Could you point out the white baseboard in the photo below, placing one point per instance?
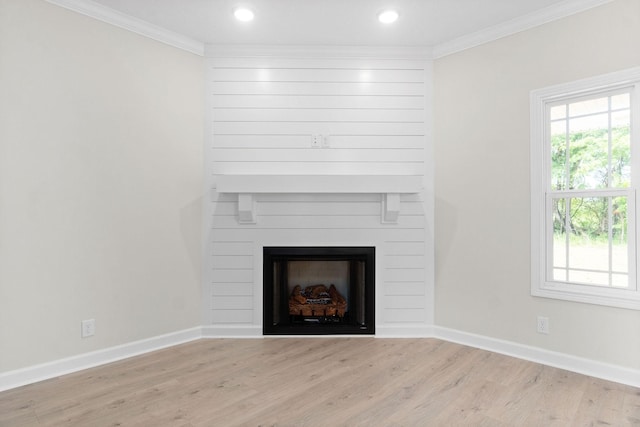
(32, 374)
(568, 362)
(232, 331)
(404, 331)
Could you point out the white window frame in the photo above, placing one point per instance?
(541, 286)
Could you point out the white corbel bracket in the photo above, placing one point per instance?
(390, 187)
(390, 208)
(247, 208)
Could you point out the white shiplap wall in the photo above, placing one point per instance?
(375, 113)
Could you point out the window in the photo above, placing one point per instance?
(585, 166)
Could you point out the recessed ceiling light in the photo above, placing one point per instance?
(243, 14)
(388, 16)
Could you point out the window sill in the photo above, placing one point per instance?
(619, 298)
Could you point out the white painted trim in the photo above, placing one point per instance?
(325, 184)
(404, 331)
(564, 361)
(522, 23)
(390, 208)
(152, 31)
(147, 29)
(390, 186)
(32, 374)
(539, 157)
(555, 359)
(258, 258)
(44, 371)
(232, 331)
(608, 81)
(247, 208)
(138, 26)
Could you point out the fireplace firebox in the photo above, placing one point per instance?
(318, 290)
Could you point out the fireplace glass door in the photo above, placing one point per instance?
(319, 290)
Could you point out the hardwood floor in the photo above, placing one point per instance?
(321, 382)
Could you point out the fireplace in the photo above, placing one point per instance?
(318, 290)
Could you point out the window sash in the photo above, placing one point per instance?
(629, 194)
(542, 194)
(569, 119)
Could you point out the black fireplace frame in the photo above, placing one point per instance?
(285, 326)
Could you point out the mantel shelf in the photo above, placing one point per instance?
(389, 186)
(318, 184)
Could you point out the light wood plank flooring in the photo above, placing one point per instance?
(321, 382)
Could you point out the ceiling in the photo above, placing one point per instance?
(336, 22)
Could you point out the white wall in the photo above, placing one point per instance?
(100, 184)
(482, 183)
(101, 175)
(263, 111)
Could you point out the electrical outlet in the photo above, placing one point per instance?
(325, 141)
(543, 325)
(88, 328)
(316, 141)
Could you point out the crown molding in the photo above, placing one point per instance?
(318, 51)
(144, 28)
(138, 26)
(525, 22)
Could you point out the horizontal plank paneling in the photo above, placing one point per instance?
(364, 102)
(263, 112)
(310, 222)
(311, 127)
(298, 74)
(404, 275)
(348, 62)
(317, 88)
(328, 208)
(404, 261)
(232, 248)
(297, 236)
(333, 208)
(404, 315)
(407, 288)
(317, 115)
(224, 316)
(319, 168)
(232, 289)
(405, 248)
(234, 302)
(315, 209)
(404, 302)
(360, 142)
(318, 155)
(223, 275)
(232, 262)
